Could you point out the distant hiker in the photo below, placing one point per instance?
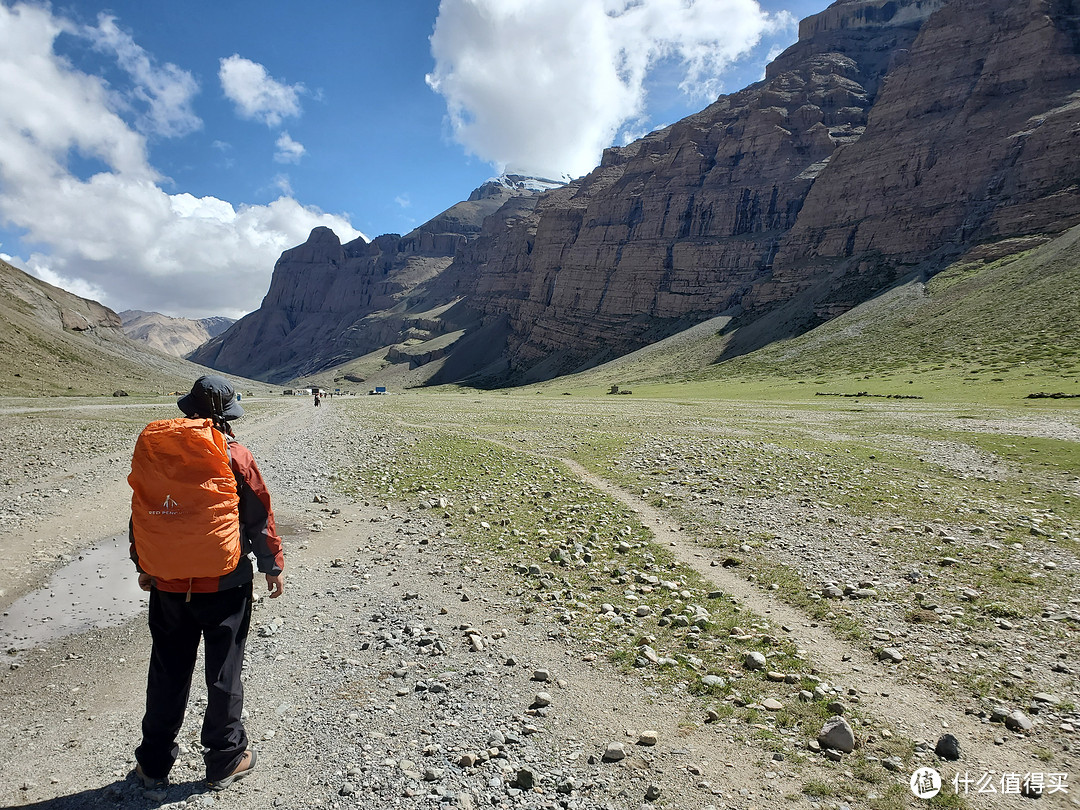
(199, 507)
(316, 400)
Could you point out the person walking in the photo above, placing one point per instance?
(200, 510)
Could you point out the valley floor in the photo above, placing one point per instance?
(455, 561)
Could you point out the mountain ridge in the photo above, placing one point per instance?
(892, 138)
(175, 336)
(57, 343)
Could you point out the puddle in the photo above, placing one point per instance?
(99, 588)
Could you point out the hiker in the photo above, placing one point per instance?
(195, 563)
(316, 399)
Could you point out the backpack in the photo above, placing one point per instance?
(184, 505)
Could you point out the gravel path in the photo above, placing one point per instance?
(400, 668)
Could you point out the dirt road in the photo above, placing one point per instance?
(404, 667)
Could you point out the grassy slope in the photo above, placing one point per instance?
(991, 332)
(41, 358)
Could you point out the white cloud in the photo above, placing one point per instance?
(166, 91)
(543, 86)
(288, 150)
(403, 200)
(117, 234)
(283, 184)
(255, 94)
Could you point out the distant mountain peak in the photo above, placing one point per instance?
(175, 336)
(521, 182)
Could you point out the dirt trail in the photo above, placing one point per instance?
(72, 707)
(887, 693)
(370, 591)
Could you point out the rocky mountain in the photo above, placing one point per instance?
(892, 138)
(55, 343)
(176, 336)
(329, 303)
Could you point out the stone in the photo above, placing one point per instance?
(648, 738)
(998, 714)
(614, 751)
(1018, 721)
(754, 661)
(525, 779)
(948, 748)
(772, 704)
(837, 734)
(891, 655)
(893, 763)
(541, 699)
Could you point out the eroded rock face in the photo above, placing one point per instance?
(891, 138)
(685, 223)
(973, 139)
(330, 302)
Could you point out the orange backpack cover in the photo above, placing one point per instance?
(184, 504)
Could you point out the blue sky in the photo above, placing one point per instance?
(160, 156)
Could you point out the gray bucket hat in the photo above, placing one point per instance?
(211, 396)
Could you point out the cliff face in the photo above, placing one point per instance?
(973, 139)
(891, 137)
(329, 302)
(685, 223)
(894, 136)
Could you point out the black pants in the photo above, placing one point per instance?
(221, 620)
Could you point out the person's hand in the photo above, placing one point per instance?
(145, 580)
(275, 584)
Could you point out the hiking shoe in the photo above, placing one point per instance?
(245, 766)
(149, 782)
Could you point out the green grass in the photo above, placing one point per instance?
(567, 548)
(985, 332)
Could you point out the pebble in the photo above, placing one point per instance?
(754, 661)
(948, 747)
(837, 734)
(614, 752)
